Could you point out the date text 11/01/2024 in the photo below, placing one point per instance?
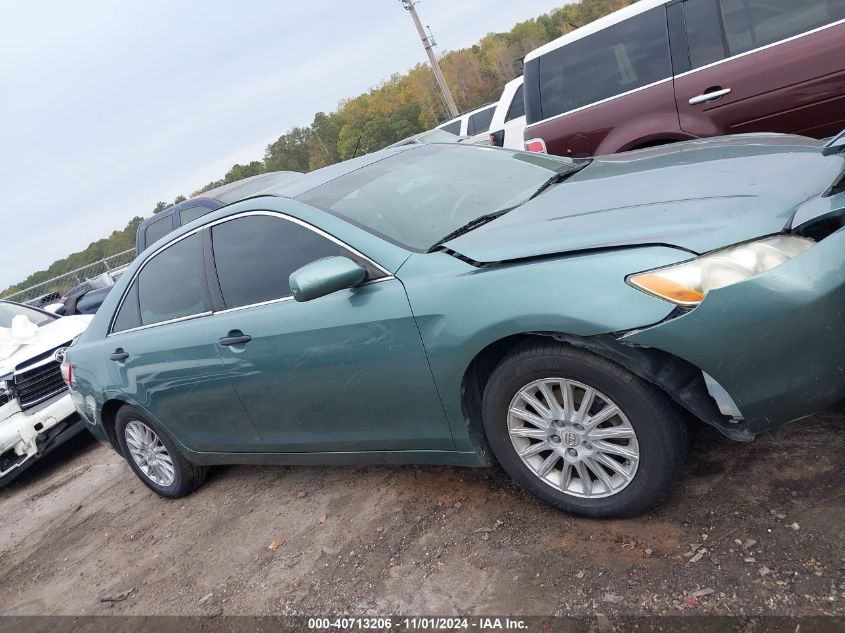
(423, 623)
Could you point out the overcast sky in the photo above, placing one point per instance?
(109, 106)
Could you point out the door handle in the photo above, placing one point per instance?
(709, 96)
(226, 341)
(119, 354)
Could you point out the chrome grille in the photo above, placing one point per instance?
(39, 383)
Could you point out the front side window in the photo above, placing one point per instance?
(415, 197)
(750, 24)
(159, 229)
(620, 58)
(256, 254)
(479, 122)
(172, 284)
(517, 106)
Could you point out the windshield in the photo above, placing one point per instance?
(9, 311)
(416, 197)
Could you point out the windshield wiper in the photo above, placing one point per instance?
(469, 226)
(559, 177)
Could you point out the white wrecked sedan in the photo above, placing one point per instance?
(36, 411)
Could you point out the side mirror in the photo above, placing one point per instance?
(325, 276)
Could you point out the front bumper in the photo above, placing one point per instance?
(775, 343)
(26, 435)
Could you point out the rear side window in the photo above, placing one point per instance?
(453, 128)
(129, 315)
(191, 214)
(620, 58)
(172, 284)
(159, 229)
(256, 254)
(479, 122)
(750, 24)
(517, 106)
(705, 36)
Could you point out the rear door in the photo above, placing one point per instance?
(515, 121)
(162, 355)
(763, 66)
(343, 372)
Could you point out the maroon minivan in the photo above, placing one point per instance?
(666, 70)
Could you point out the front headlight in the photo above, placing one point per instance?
(687, 284)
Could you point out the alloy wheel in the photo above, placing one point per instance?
(573, 437)
(149, 453)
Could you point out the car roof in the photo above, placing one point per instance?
(597, 25)
(240, 189)
(468, 113)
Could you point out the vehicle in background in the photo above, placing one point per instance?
(36, 412)
(508, 123)
(43, 300)
(474, 124)
(159, 225)
(86, 298)
(429, 136)
(660, 71)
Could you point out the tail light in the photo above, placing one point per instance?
(536, 145)
(497, 138)
(67, 373)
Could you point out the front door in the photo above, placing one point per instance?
(763, 66)
(344, 372)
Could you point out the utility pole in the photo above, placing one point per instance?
(428, 44)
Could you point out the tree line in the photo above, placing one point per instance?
(403, 105)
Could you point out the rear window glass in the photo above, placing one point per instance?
(191, 214)
(453, 128)
(620, 58)
(479, 123)
(517, 107)
(129, 315)
(159, 229)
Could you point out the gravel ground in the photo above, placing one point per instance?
(748, 529)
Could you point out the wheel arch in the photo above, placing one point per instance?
(108, 417)
(677, 378)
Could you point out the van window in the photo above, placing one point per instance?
(192, 213)
(479, 122)
(172, 284)
(750, 24)
(625, 56)
(705, 36)
(158, 229)
(453, 128)
(517, 106)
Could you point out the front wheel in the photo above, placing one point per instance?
(154, 455)
(581, 432)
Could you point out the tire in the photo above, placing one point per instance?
(633, 481)
(178, 479)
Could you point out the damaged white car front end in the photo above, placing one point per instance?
(36, 411)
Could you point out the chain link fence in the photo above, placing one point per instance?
(62, 284)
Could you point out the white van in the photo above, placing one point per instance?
(508, 123)
(474, 124)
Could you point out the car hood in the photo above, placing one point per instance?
(698, 195)
(22, 344)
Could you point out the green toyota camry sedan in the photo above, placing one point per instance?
(452, 304)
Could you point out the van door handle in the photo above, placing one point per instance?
(119, 354)
(709, 96)
(226, 341)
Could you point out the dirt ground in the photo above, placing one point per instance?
(748, 529)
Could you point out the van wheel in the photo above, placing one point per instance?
(154, 455)
(582, 433)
